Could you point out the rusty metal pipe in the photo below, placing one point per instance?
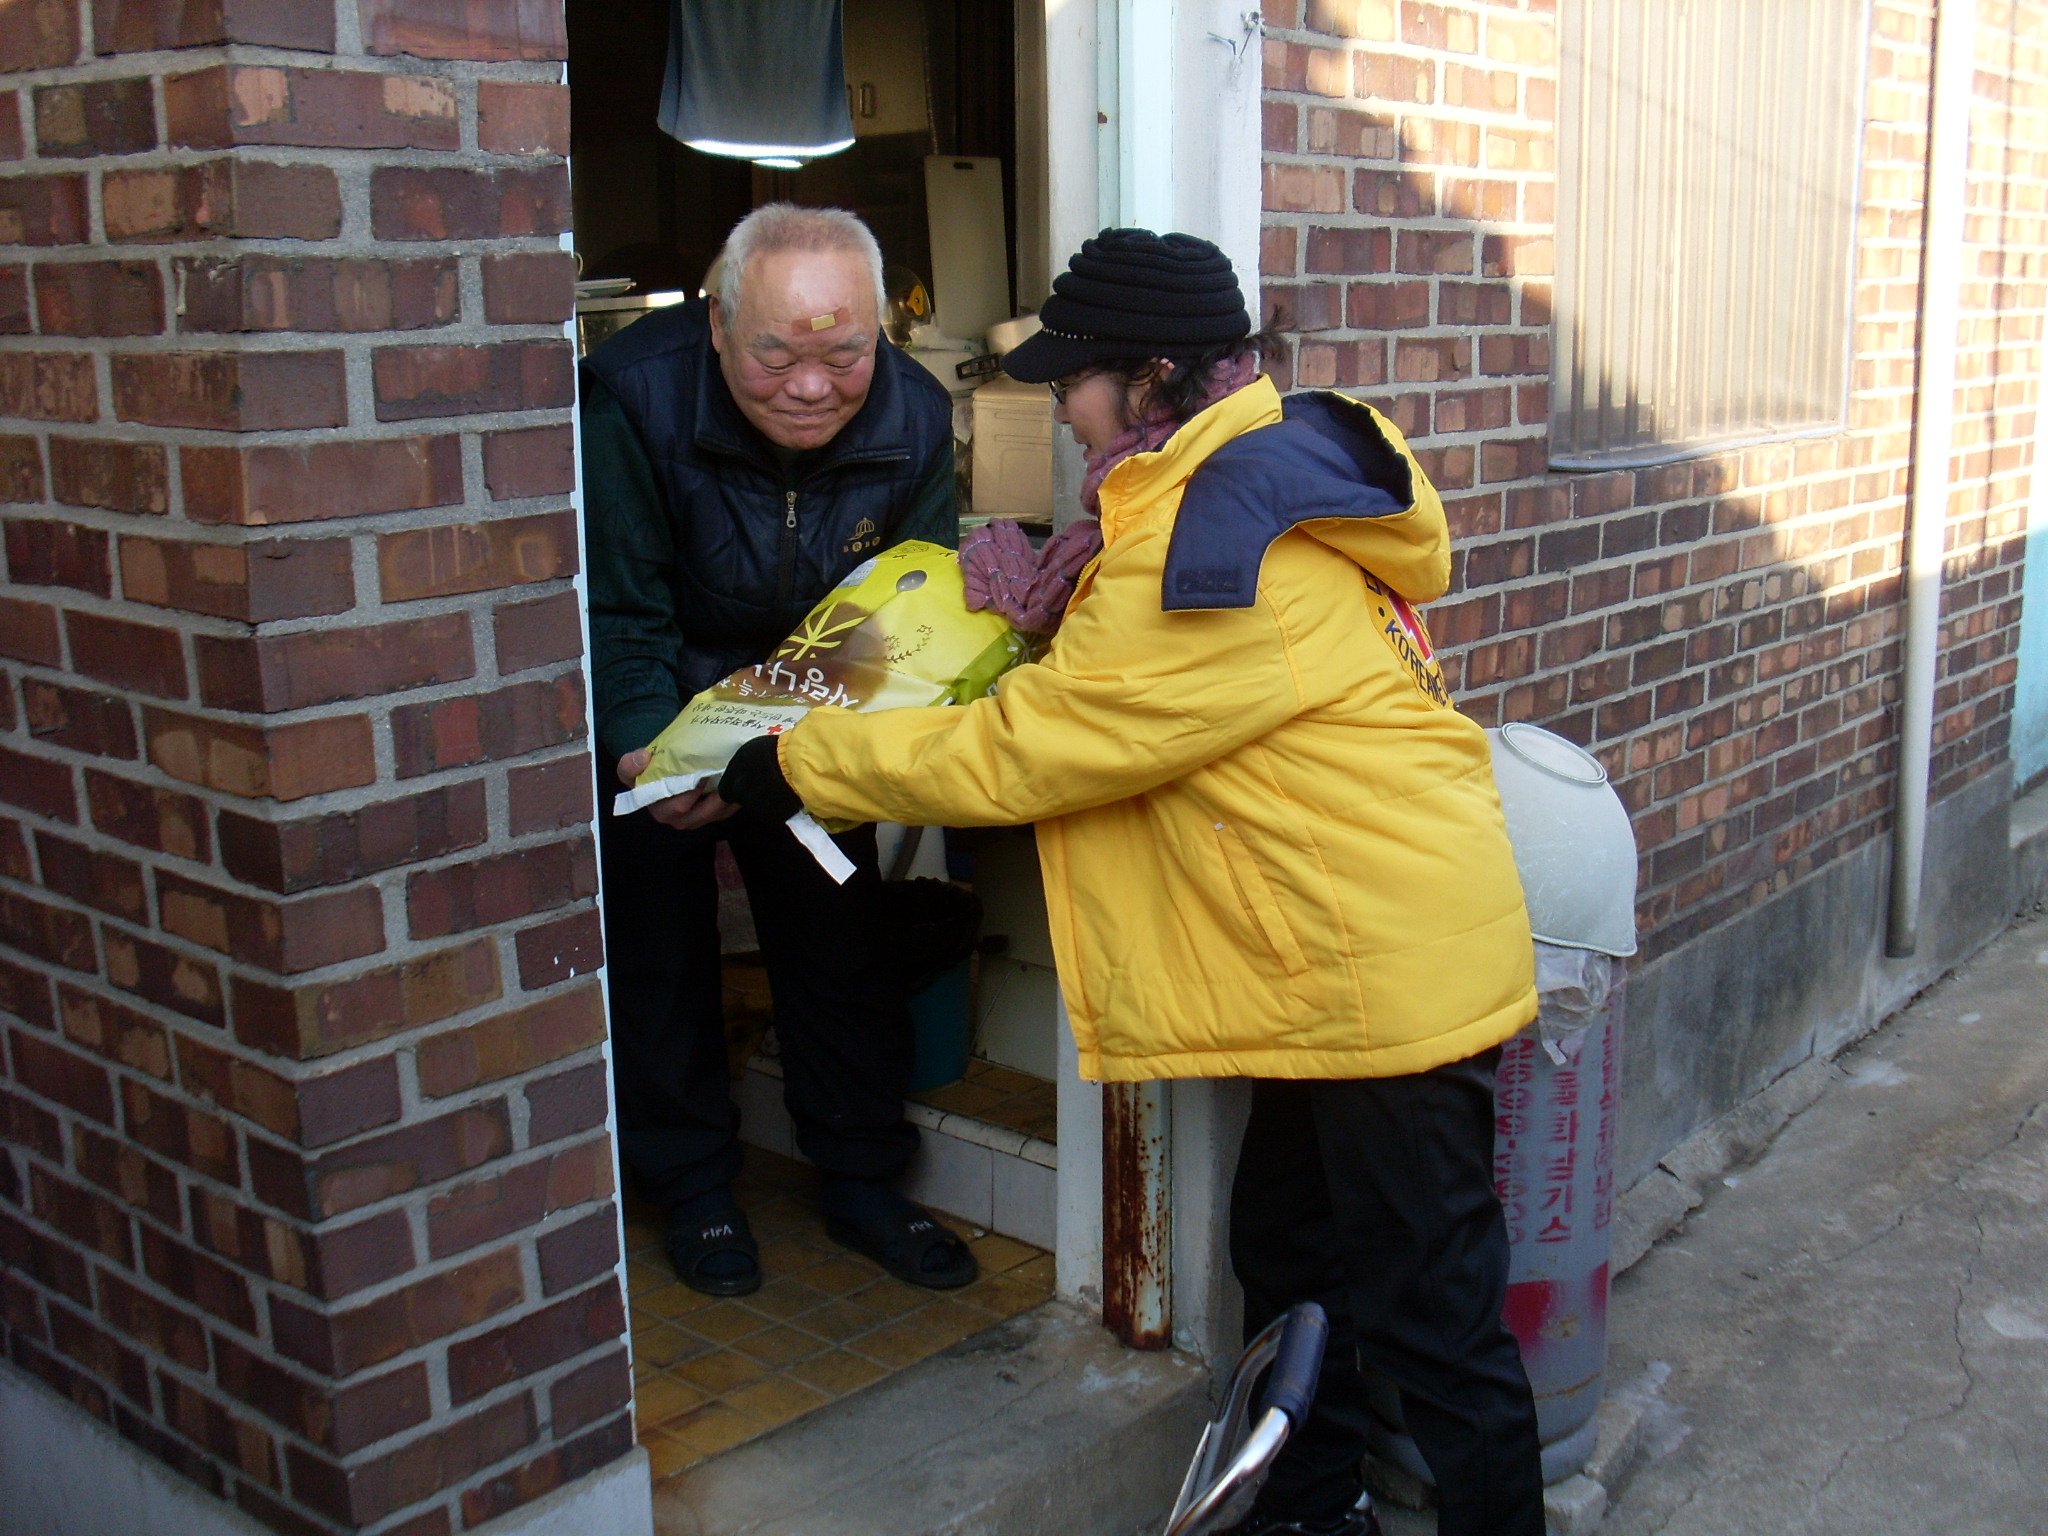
(1137, 1213)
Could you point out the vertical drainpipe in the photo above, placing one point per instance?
(1941, 263)
(1135, 41)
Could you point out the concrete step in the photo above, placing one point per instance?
(986, 1174)
(1041, 1426)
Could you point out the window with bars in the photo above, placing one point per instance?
(1707, 180)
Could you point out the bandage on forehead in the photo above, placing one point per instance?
(823, 322)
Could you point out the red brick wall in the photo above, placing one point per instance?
(1722, 631)
(305, 1184)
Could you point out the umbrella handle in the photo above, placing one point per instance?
(1291, 1386)
(1294, 1346)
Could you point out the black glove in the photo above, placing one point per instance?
(753, 781)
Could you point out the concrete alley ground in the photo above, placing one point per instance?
(1856, 1326)
(1857, 1330)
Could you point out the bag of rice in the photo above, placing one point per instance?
(895, 633)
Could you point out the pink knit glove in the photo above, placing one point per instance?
(1060, 563)
(996, 564)
(1028, 587)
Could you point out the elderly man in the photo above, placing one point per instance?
(740, 457)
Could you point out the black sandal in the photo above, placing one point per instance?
(691, 1242)
(901, 1236)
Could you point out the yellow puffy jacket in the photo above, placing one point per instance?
(1271, 848)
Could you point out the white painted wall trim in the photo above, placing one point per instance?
(1153, 120)
(1216, 142)
(1077, 1250)
(600, 803)
(615, 1500)
(1144, 104)
(63, 1473)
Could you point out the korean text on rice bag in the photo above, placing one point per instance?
(895, 633)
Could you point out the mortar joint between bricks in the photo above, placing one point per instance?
(384, 756)
(359, 391)
(310, 61)
(93, 69)
(133, 611)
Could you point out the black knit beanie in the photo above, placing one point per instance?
(1131, 293)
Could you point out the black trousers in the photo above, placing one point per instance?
(840, 1014)
(1375, 1197)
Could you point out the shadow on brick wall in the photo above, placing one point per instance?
(1723, 631)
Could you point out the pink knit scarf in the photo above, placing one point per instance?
(1149, 433)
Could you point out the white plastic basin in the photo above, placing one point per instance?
(1573, 845)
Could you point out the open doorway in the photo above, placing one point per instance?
(924, 77)
(948, 168)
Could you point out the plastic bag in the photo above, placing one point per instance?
(895, 633)
(1571, 989)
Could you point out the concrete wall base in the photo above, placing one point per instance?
(1815, 959)
(2028, 840)
(1717, 1021)
(615, 1500)
(63, 1473)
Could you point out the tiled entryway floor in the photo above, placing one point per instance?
(711, 1373)
(1014, 1100)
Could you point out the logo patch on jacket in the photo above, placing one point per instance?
(865, 537)
(1208, 581)
(1403, 629)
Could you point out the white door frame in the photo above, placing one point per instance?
(1153, 121)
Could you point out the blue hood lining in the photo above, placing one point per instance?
(1325, 458)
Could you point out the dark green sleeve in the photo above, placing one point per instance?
(634, 641)
(934, 511)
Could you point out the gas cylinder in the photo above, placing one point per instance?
(1555, 1091)
(1553, 1168)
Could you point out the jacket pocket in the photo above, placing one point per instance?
(1257, 898)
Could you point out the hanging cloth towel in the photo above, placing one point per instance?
(757, 81)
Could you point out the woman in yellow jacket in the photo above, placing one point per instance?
(1271, 849)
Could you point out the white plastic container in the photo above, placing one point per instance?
(1011, 334)
(1012, 450)
(970, 241)
(1573, 845)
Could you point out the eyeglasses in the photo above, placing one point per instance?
(1061, 388)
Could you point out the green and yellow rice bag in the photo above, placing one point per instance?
(895, 634)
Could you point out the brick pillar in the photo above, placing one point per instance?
(306, 1186)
